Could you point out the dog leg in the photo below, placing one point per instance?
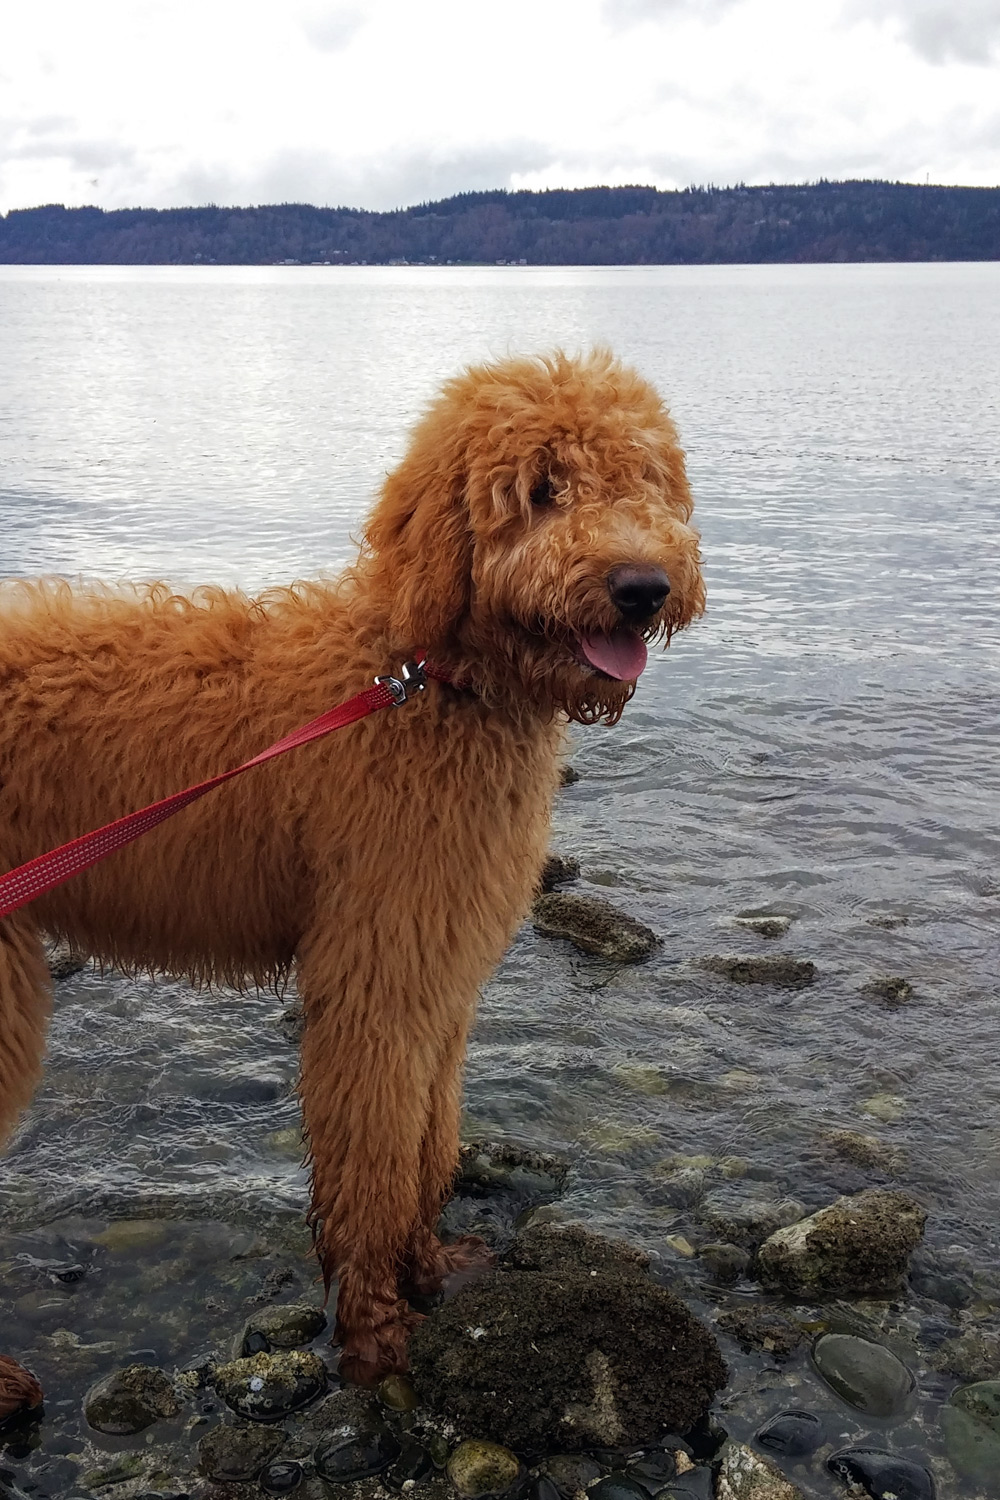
(25, 1003)
(428, 1261)
(365, 1091)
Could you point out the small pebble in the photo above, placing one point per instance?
(478, 1468)
(281, 1478)
(397, 1393)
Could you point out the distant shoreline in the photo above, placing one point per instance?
(824, 223)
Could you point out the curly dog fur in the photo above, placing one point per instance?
(389, 866)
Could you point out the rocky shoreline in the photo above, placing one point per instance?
(570, 1371)
(770, 1354)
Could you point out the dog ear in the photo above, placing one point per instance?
(420, 537)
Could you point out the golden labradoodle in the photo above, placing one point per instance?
(533, 539)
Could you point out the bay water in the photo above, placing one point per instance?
(822, 746)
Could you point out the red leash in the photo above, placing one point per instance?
(43, 874)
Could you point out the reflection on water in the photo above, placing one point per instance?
(823, 745)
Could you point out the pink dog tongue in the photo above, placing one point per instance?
(621, 655)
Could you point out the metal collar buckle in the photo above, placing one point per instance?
(412, 679)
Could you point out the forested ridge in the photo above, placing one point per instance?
(824, 221)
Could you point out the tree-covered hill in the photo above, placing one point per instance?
(824, 221)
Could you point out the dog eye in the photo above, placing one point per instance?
(543, 492)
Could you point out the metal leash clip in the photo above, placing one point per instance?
(412, 679)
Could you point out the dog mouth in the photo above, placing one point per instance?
(619, 654)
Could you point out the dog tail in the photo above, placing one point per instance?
(25, 1001)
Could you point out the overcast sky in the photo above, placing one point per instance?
(389, 102)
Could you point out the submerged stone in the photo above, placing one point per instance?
(655, 1469)
(892, 988)
(130, 1400)
(618, 1486)
(266, 1387)
(784, 972)
(867, 1376)
(743, 1214)
(578, 1359)
(286, 1326)
(865, 1150)
(883, 1476)
(725, 1262)
(232, 1453)
(763, 1329)
(478, 1468)
(791, 1434)
(972, 1356)
(413, 1465)
(570, 1472)
(765, 924)
(970, 1423)
(594, 926)
(857, 1246)
(355, 1450)
(281, 1478)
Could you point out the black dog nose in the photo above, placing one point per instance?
(638, 590)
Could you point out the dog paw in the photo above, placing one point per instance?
(371, 1354)
(462, 1257)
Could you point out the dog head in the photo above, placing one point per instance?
(535, 536)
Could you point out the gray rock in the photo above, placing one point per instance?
(745, 1475)
(726, 1263)
(130, 1400)
(867, 1376)
(783, 972)
(266, 1387)
(892, 988)
(231, 1453)
(746, 1214)
(287, 1326)
(764, 924)
(594, 926)
(478, 1468)
(857, 1246)
(558, 869)
(64, 961)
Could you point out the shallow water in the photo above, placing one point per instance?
(822, 745)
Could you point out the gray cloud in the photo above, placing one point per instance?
(621, 14)
(331, 28)
(941, 31)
